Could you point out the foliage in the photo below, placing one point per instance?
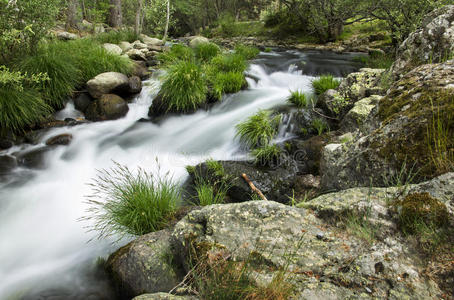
(206, 51)
(230, 82)
(324, 83)
(123, 202)
(184, 88)
(299, 99)
(247, 52)
(209, 194)
(115, 37)
(376, 61)
(320, 126)
(259, 129)
(229, 63)
(177, 52)
(20, 103)
(215, 167)
(267, 155)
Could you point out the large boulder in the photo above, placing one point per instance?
(321, 261)
(164, 296)
(151, 41)
(112, 49)
(416, 134)
(432, 43)
(197, 40)
(356, 118)
(82, 101)
(66, 36)
(135, 85)
(125, 46)
(136, 54)
(107, 83)
(108, 107)
(145, 265)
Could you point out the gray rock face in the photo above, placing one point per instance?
(433, 42)
(164, 296)
(323, 265)
(112, 49)
(125, 46)
(401, 140)
(151, 41)
(66, 36)
(146, 265)
(108, 107)
(106, 83)
(357, 116)
(197, 40)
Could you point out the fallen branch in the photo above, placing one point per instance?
(253, 188)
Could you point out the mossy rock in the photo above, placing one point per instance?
(419, 208)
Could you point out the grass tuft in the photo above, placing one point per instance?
(324, 83)
(267, 155)
(206, 51)
(259, 129)
(125, 203)
(247, 52)
(224, 83)
(115, 37)
(177, 52)
(229, 63)
(299, 99)
(320, 126)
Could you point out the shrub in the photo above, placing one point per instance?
(20, 103)
(324, 83)
(298, 99)
(259, 129)
(229, 63)
(184, 88)
(230, 82)
(177, 52)
(267, 155)
(115, 37)
(126, 203)
(320, 126)
(206, 51)
(247, 52)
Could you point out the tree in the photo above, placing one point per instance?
(72, 15)
(167, 21)
(138, 21)
(116, 17)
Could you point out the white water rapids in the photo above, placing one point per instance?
(42, 245)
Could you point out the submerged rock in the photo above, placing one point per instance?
(106, 83)
(62, 139)
(108, 107)
(7, 164)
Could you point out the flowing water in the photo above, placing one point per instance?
(44, 249)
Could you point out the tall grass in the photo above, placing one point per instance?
(324, 83)
(247, 52)
(184, 88)
(224, 83)
(229, 63)
(206, 51)
(267, 155)
(209, 194)
(126, 203)
(115, 37)
(259, 129)
(299, 99)
(177, 52)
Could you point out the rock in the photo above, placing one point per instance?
(125, 46)
(98, 28)
(34, 159)
(135, 85)
(136, 54)
(82, 101)
(433, 42)
(86, 26)
(164, 296)
(7, 164)
(5, 143)
(361, 84)
(66, 36)
(401, 143)
(197, 40)
(146, 265)
(333, 104)
(357, 116)
(108, 107)
(106, 83)
(306, 153)
(151, 41)
(140, 46)
(112, 48)
(278, 236)
(61, 139)
(156, 48)
(140, 70)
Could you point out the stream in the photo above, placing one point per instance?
(45, 251)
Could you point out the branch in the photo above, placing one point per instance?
(253, 188)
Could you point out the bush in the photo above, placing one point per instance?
(184, 88)
(206, 51)
(115, 37)
(324, 83)
(298, 99)
(177, 52)
(230, 82)
(20, 103)
(126, 203)
(267, 155)
(247, 52)
(229, 63)
(259, 129)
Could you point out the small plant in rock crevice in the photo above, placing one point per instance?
(267, 155)
(299, 99)
(320, 126)
(324, 83)
(259, 129)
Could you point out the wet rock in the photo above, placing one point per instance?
(197, 40)
(140, 70)
(433, 42)
(82, 101)
(327, 268)
(7, 164)
(108, 107)
(307, 153)
(146, 265)
(333, 103)
(164, 296)
(112, 49)
(404, 138)
(136, 54)
(151, 41)
(6, 144)
(135, 85)
(34, 159)
(357, 116)
(106, 83)
(125, 46)
(61, 139)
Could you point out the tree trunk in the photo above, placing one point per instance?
(73, 17)
(116, 17)
(138, 24)
(167, 22)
